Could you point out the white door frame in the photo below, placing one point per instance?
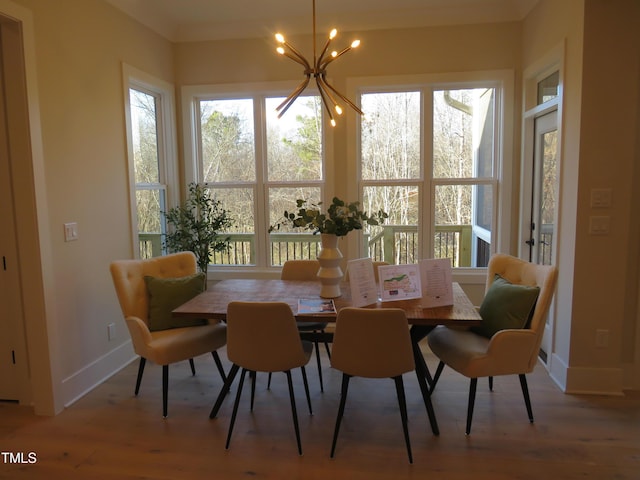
(531, 110)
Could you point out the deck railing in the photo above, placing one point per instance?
(395, 244)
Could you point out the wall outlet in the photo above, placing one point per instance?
(111, 331)
(602, 338)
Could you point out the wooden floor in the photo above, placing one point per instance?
(112, 434)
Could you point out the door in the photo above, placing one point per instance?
(13, 368)
(542, 232)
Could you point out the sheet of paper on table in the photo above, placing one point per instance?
(362, 281)
(437, 283)
(316, 306)
(399, 282)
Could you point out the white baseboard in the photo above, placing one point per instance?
(83, 381)
(557, 371)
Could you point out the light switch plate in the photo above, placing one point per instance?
(599, 225)
(70, 232)
(600, 198)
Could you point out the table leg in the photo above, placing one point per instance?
(418, 332)
(422, 372)
(225, 389)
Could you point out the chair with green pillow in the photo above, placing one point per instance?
(148, 290)
(514, 312)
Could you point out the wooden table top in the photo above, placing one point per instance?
(213, 302)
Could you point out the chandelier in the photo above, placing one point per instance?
(331, 98)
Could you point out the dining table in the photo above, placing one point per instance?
(213, 302)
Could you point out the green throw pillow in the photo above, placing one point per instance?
(166, 294)
(506, 305)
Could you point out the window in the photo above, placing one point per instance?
(257, 165)
(429, 156)
(151, 147)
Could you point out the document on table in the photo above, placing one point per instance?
(399, 282)
(437, 284)
(310, 306)
(362, 281)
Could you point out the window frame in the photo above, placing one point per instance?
(190, 96)
(503, 81)
(136, 79)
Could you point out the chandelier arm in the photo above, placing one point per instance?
(292, 96)
(324, 51)
(322, 84)
(332, 58)
(324, 100)
(297, 91)
(296, 59)
(341, 96)
(297, 54)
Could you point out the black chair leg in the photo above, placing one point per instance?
(315, 346)
(472, 399)
(269, 382)
(294, 412)
(436, 376)
(306, 388)
(525, 392)
(165, 389)
(491, 384)
(253, 376)
(216, 358)
(402, 403)
(143, 362)
(193, 366)
(235, 407)
(343, 400)
(225, 389)
(326, 346)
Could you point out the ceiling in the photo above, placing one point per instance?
(197, 20)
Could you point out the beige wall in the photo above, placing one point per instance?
(608, 154)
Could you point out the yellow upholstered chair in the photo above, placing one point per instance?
(372, 343)
(262, 337)
(170, 345)
(492, 350)
(307, 270)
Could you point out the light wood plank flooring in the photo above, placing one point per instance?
(110, 433)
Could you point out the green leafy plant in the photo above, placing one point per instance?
(339, 219)
(195, 226)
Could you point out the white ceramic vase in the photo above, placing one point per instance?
(330, 273)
